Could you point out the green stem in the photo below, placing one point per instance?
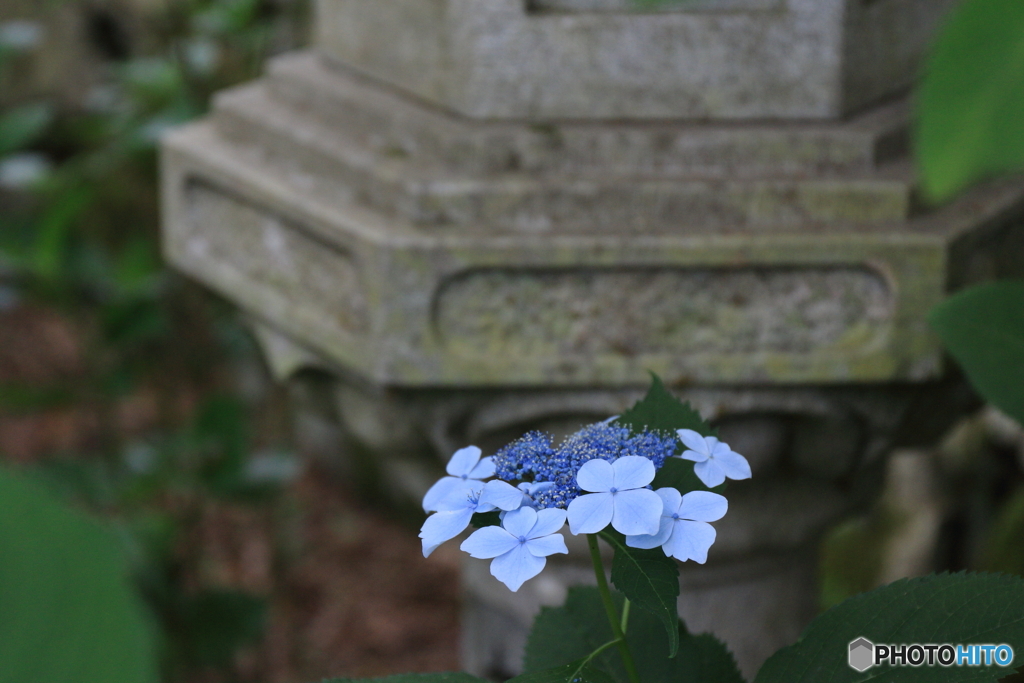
(625, 615)
(609, 608)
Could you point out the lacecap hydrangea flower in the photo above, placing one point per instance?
(521, 545)
(714, 460)
(597, 477)
(684, 532)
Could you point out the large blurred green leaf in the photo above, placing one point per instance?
(947, 608)
(21, 126)
(983, 328)
(971, 101)
(67, 613)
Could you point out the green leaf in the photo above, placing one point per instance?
(945, 608)
(481, 519)
(983, 328)
(650, 580)
(414, 678)
(69, 613)
(566, 634)
(660, 411)
(971, 102)
(561, 635)
(22, 126)
(574, 672)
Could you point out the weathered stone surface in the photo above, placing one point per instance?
(417, 187)
(384, 121)
(255, 214)
(595, 59)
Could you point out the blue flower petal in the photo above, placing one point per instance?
(709, 472)
(516, 566)
(694, 441)
(466, 495)
(501, 495)
(445, 488)
(670, 499)
(488, 542)
(646, 542)
(733, 465)
(690, 541)
(443, 526)
(483, 470)
(632, 472)
(519, 522)
(463, 461)
(702, 506)
(547, 545)
(548, 522)
(636, 512)
(591, 513)
(596, 476)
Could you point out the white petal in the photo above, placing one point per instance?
(690, 541)
(547, 545)
(670, 499)
(703, 506)
(548, 522)
(516, 566)
(693, 441)
(443, 526)
(439, 491)
(637, 512)
(501, 495)
(463, 461)
(589, 513)
(520, 522)
(483, 469)
(710, 473)
(488, 542)
(733, 465)
(632, 472)
(596, 476)
(647, 542)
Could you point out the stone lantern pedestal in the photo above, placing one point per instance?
(487, 217)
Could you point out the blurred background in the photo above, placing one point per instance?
(139, 397)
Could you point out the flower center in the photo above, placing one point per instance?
(465, 477)
(613, 490)
(522, 539)
(675, 515)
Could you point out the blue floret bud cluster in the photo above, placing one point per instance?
(533, 458)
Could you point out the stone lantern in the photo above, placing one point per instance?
(487, 216)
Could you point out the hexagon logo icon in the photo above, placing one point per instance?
(862, 654)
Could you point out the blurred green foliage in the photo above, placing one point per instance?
(69, 613)
(970, 104)
(79, 235)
